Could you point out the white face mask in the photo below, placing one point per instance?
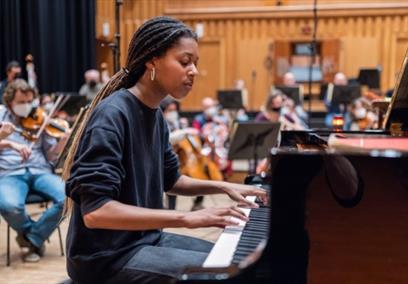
(22, 110)
(171, 116)
(211, 112)
(48, 106)
(360, 113)
(36, 102)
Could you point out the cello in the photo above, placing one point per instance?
(193, 163)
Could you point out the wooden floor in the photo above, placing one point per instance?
(51, 268)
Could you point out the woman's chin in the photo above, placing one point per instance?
(180, 95)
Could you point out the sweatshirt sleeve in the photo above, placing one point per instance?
(171, 164)
(98, 172)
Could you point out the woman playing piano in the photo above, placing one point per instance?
(121, 162)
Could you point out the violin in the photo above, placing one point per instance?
(22, 132)
(54, 127)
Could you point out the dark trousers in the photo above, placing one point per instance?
(164, 262)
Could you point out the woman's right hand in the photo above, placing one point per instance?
(6, 129)
(23, 150)
(214, 217)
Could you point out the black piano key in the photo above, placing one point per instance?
(255, 230)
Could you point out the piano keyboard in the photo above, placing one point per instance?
(237, 242)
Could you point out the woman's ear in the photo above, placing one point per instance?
(149, 65)
(152, 63)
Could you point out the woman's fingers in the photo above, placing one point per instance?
(234, 211)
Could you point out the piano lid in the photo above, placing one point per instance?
(398, 108)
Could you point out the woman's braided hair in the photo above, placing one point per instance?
(152, 39)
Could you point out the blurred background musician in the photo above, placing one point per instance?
(332, 109)
(30, 69)
(13, 71)
(179, 131)
(92, 84)
(279, 108)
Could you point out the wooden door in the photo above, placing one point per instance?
(330, 58)
(282, 53)
(254, 68)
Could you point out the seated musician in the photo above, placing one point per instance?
(92, 84)
(275, 110)
(362, 117)
(13, 71)
(205, 122)
(178, 126)
(121, 162)
(289, 80)
(24, 170)
(178, 131)
(333, 109)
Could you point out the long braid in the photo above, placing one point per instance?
(152, 39)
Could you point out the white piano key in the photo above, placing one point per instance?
(241, 223)
(223, 250)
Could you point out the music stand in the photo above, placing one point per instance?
(230, 99)
(291, 92)
(72, 102)
(369, 77)
(253, 140)
(345, 94)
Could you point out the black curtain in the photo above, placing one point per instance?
(60, 34)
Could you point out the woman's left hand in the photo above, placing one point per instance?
(238, 192)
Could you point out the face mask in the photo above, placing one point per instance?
(22, 110)
(360, 113)
(36, 103)
(92, 84)
(211, 112)
(48, 106)
(276, 109)
(171, 116)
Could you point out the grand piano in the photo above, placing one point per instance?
(338, 210)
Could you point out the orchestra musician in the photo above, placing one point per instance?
(121, 162)
(25, 167)
(13, 71)
(275, 110)
(178, 133)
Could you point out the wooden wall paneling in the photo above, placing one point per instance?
(396, 25)
(230, 46)
(401, 51)
(305, 2)
(330, 52)
(210, 75)
(405, 24)
(281, 59)
(385, 52)
(268, 22)
(359, 52)
(251, 55)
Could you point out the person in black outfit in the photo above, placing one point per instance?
(120, 163)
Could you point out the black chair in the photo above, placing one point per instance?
(34, 198)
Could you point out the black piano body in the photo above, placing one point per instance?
(336, 217)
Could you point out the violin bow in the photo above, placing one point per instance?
(46, 120)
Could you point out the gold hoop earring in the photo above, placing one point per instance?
(152, 74)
